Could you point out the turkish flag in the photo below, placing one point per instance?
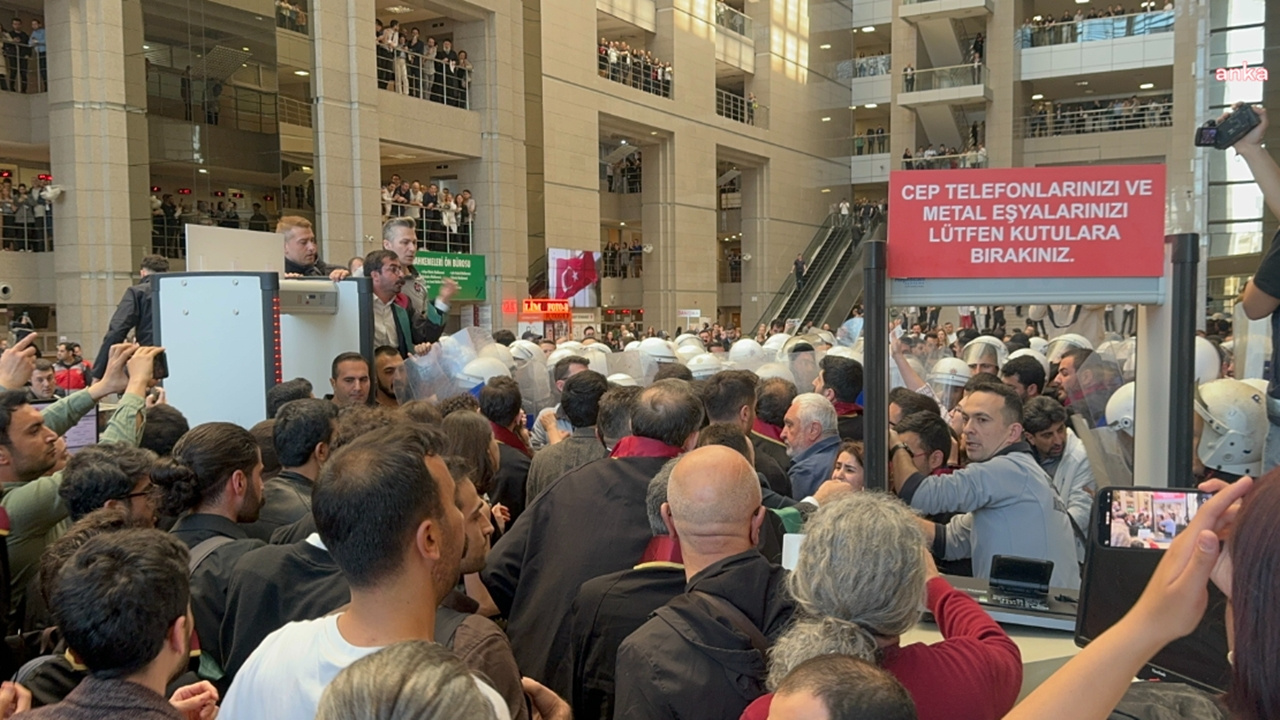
(574, 274)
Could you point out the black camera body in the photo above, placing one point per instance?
(1228, 133)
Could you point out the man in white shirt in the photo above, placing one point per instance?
(384, 508)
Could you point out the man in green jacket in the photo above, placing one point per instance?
(28, 451)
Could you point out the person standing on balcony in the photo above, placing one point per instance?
(977, 68)
(416, 50)
(446, 59)
(801, 271)
(38, 50)
(429, 68)
(17, 52)
(909, 78)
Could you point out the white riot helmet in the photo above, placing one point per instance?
(573, 345)
(689, 351)
(522, 351)
(1039, 344)
(947, 377)
(559, 354)
(844, 351)
(704, 365)
(1120, 409)
(633, 345)
(1235, 426)
(746, 352)
(775, 342)
(1257, 384)
(1208, 361)
(657, 349)
(689, 339)
(622, 379)
(1027, 352)
(501, 353)
(825, 337)
(597, 358)
(775, 369)
(984, 349)
(1062, 343)
(478, 371)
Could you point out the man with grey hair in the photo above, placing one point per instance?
(702, 654)
(812, 433)
(611, 607)
(400, 236)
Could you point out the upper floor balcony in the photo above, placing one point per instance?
(918, 10)
(735, 45)
(1086, 45)
(945, 85)
(409, 66)
(746, 110)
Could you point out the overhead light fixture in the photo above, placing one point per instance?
(203, 171)
(1081, 83)
(824, 46)
(1146, 86)
(869, 28)
(653, 132)
(301, 73)
(826, 190)
(146, 47)
(872, 106)
(622, 142)
(245, 49)
(1037, 96)
(1038, 18)
(826, 119)
(853, 107)
(622, 224)
(399, 9)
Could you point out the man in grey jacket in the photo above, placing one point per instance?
(1010, 505)
(1063, 458)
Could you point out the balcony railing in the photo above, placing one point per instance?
(1079, 121)
(732, 20)
(174, 94)
(437, 230)
(26, 221)
(746, 110)
(870, 143)
(291, 15)
(873, 65)
(23, 66)
(293, 111)
(436, 76)
(942, 78)
(1062, 32)
(731, 268)
(972, 158)
(622, 64)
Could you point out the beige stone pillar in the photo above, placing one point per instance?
(99, 155)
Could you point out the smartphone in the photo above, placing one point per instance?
(1145, 518)
(160, 367)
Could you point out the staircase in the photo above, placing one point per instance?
(841, 291)
(832, 242)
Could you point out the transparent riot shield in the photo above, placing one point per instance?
(626, 363)
(535, 384)
(1251, 347)
(850, 332)
(804, 368)
(1110, 449)
(422, 377)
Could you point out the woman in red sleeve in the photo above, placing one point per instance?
(860, 583)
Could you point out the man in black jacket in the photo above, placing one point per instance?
(840, 381)
(500, 403)
(301, 434)
(588, 523)
(703, 653)
(301, 253)
(133, 313)
(773, 399)
(730, 397)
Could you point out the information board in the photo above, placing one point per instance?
(467, 270)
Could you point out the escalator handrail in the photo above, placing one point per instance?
(784, 295)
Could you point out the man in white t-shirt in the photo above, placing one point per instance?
(384, 508)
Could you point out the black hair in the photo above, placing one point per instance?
(10, 400)
(1027, 369)
(500, 400)
(165, 424)
(421, 411)
(667, 411)
(348, 357)
(581, 398)
(470, 436)
(202, 462)
(614, 420)
(356, 420)
(371, 497)
(1079, 356)
(931, 429)
(385, 351)
(263, 433)
(560, 370)
(1041, 413)
(117, 597)
(773, 399)
(290, 390)
(673, 371)
(155, 263)
(300, 426)
(504, 337)
(1012, 403)
(843, 376)
(461, 401)
(105, 519)
(728, 435)
(912, 402)
(981, 378)
(727, 392)
(98, 473)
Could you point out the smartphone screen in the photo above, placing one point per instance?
(1146, 518)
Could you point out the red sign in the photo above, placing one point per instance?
(547, 308)
(509, 306)
(1087, 221)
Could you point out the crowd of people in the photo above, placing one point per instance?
(444, 220)
(636, 67)
(24, 66)
(169, 216)
(26, 215)
(874, 63)
(413, 65)
(1075, 118)
(292, 15)
(941, 157)
(731, 18)
(625, 175)
(618, 259)
(1112, 21)
(871, 141)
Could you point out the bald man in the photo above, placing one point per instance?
(703, 653)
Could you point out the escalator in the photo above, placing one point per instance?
(842, 290)
(833, 241)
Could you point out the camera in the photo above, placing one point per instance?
(1227, 133)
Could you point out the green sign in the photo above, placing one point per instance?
(466, 270)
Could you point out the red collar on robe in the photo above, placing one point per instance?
(773, 432)
(847, 409)
(635, 446)
(662, 548)
(510, 439)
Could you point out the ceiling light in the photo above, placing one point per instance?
(1146, 86)
(826, 190)
(1037, 96)
(872, 106)
(245, 49)
(824, 46)
(826, 119)
(399, 9)
(655, 132)
(146, 47)
(1082, 83)
(301, 73)
(203, 171)
(623, 142)
(1082, 2)
(1038, 18)
(853, 107)
(869, 28)
(622, 224)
